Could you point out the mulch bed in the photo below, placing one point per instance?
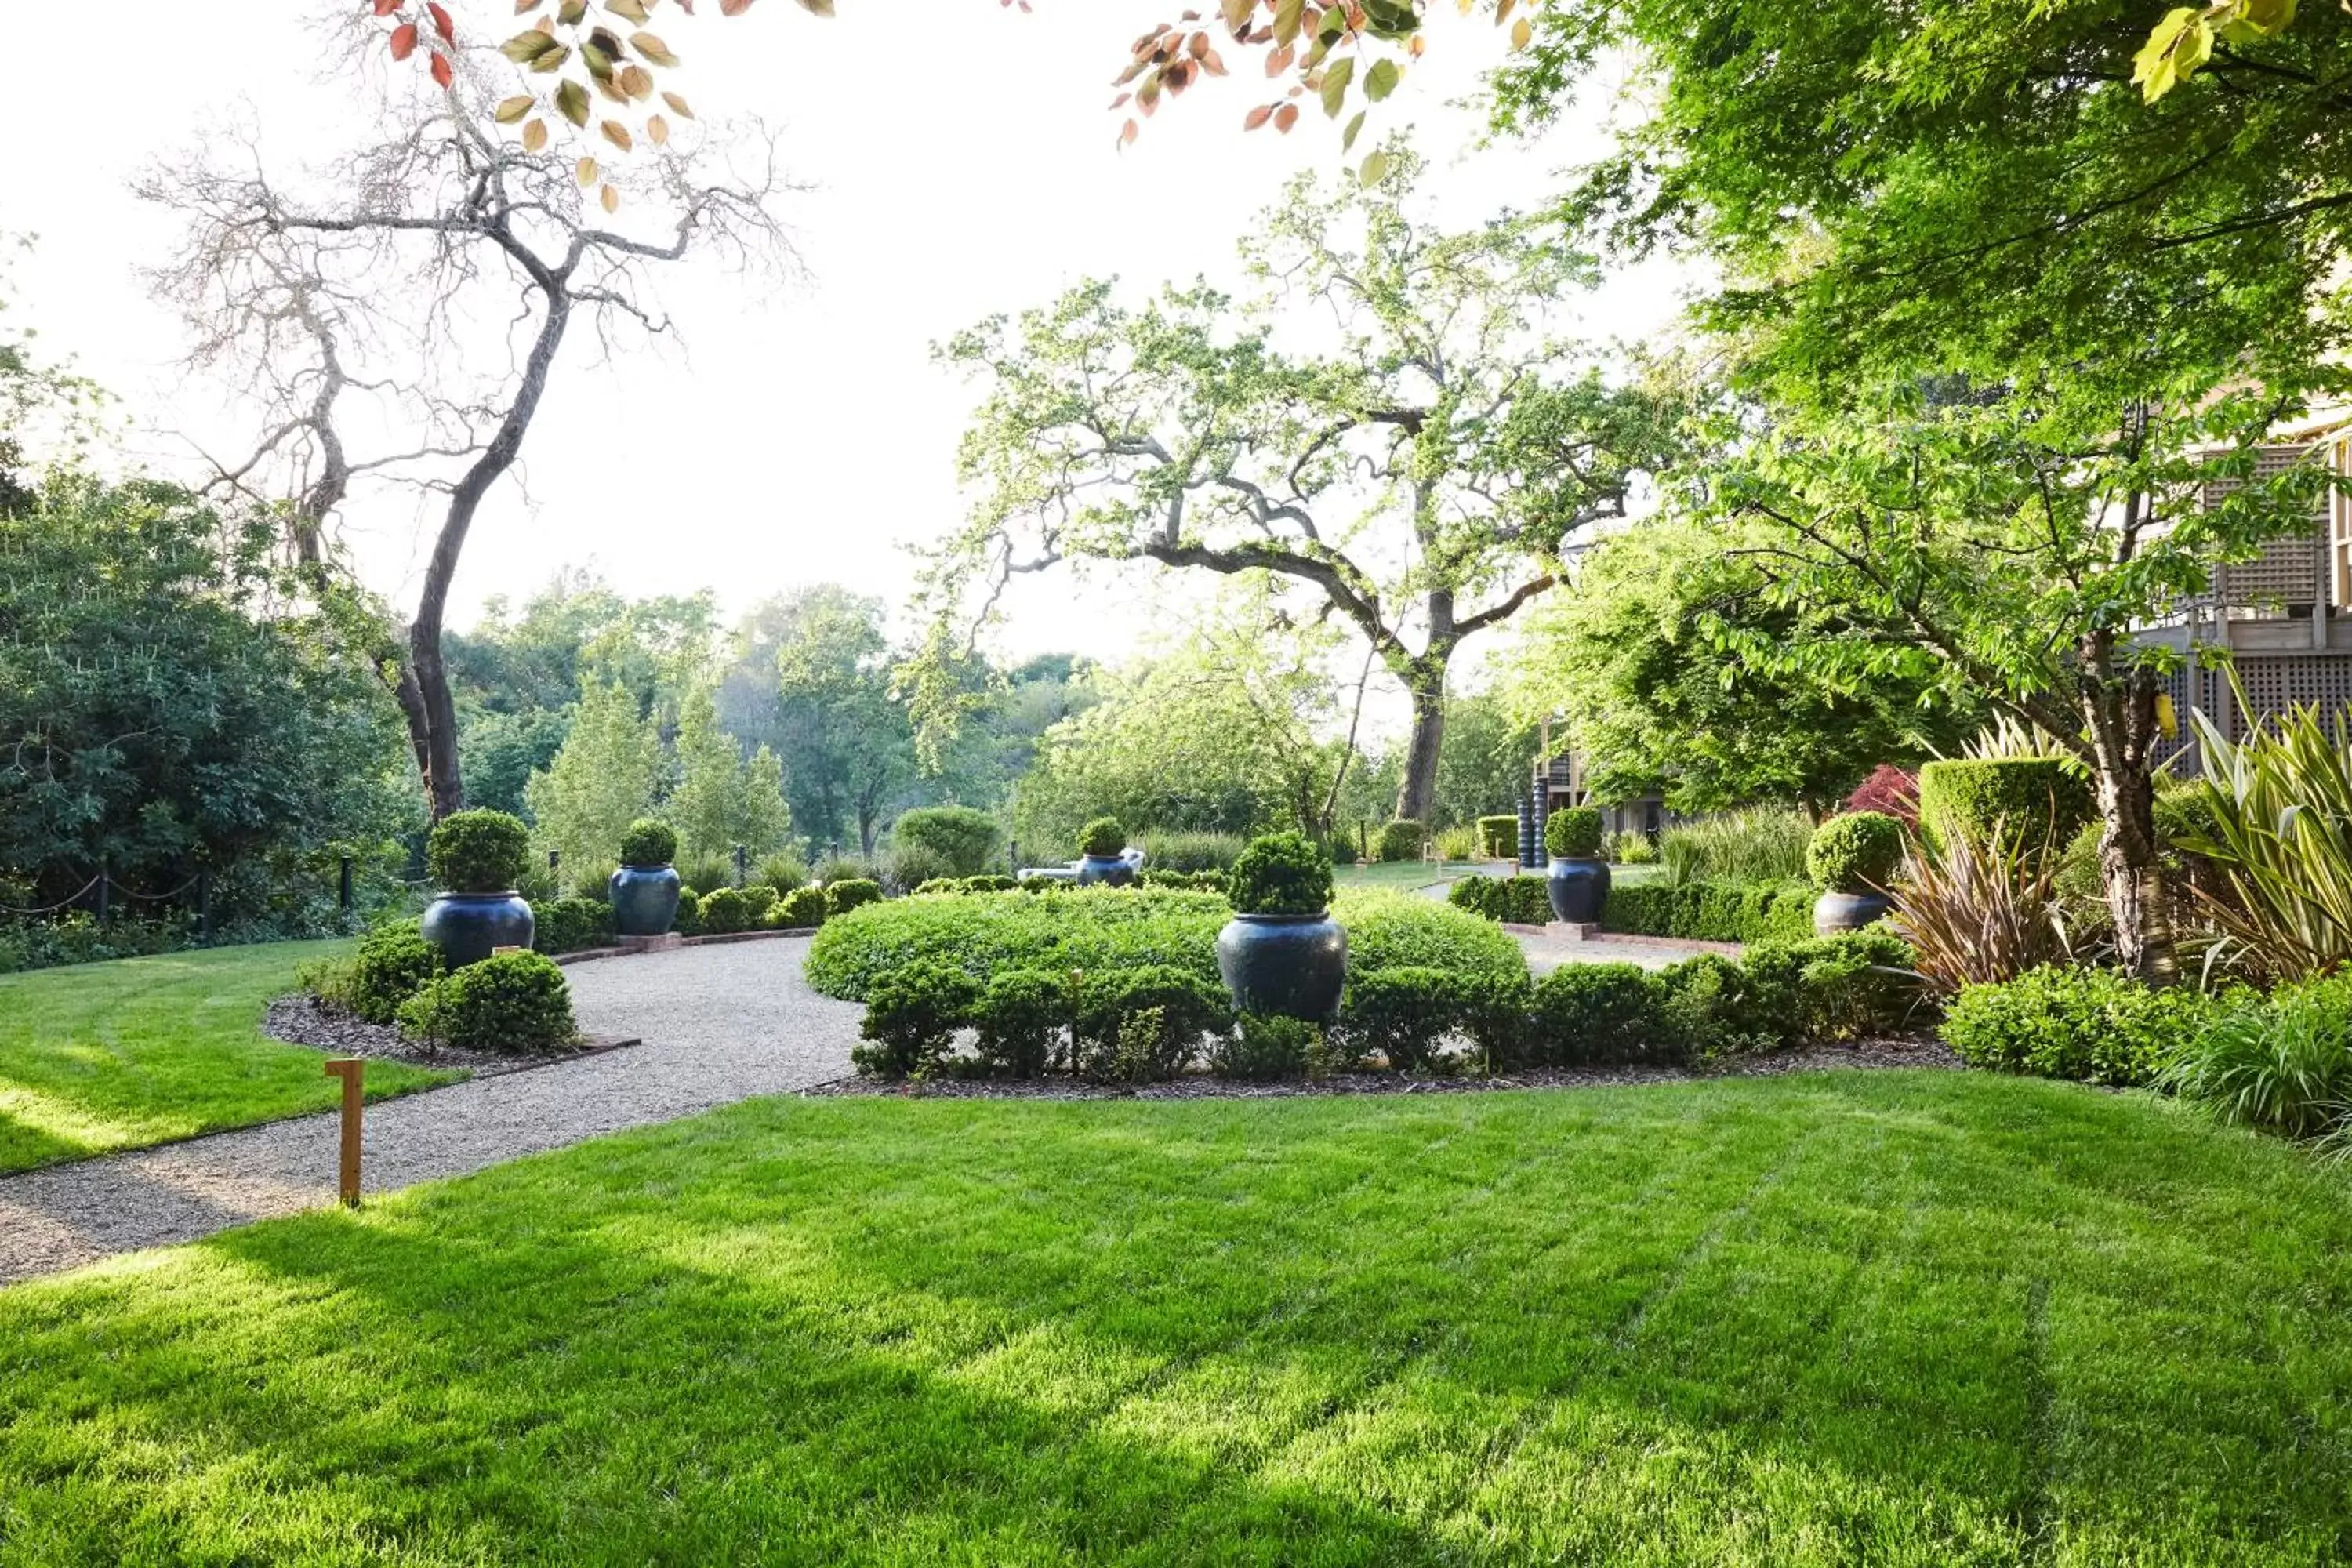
(298, 1020)
(1889, 1053)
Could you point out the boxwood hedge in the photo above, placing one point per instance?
(1712, 912)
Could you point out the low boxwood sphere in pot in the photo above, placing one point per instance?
(1282, 953)
(1852, 859)
(1102, 845)
(645, 891)
(478, 856)
(1578, 880)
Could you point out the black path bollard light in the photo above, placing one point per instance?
(203, 905)
(343, 886)
(105, 889)
(742, 864)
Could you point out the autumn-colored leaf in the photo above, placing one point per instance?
(403, 40)
(534, 136)
(386, 7)
(1522, 32)
(551, 60)
(442, 74)
(677, 106)
(652, 49)
(610, 199)
(442, 24)
(527, 45)
(813, 7)
(616, 133)
(637, 81)
(1285, 117)
(510, 110)
(634, 10)
(571, 102)
(1257, 117)
(585, 173)
(1126, 133)
(657, 131)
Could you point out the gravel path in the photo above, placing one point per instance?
(719, 1024)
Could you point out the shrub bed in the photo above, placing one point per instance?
(572, 925)
(508, 1001)
(2091, 1025)
(802, 908)
(1711, 912)
(393, 963)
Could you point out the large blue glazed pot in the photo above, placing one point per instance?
(1104, 871)
(1579, 885)
(1834, 914)
(1293, 966)
(466, 927)
(645, 899)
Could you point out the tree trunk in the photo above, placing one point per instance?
(2121, 710)
(1417, 795)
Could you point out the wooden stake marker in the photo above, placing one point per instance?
(350, 1069)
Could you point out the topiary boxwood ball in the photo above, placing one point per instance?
(1103, 837)
(479, 851)
(1856, 853)
(648, 842)
(513, 1002)
(1401, 840)
(1574, 832)
(1282, 953)
(1280, 874)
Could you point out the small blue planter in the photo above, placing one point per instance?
(645, 899)
(466, 927)
(1293, 966)
(1835, 913)
(1104, 871)
(1579, 885)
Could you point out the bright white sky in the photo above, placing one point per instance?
(963, 170)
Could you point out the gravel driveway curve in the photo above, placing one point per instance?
(720, 1024)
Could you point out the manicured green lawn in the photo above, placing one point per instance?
(1883, 1318)
(1400, 876)
(99, 1057)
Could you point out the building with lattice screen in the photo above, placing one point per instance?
(2285, 617)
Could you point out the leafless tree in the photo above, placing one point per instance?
(394, 315)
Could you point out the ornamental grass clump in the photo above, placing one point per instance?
(1856, 853)
(2281, 1063)
(1281, 874)
(1978, 909)
(1761, 847)
(478, 851)
(1573, 833)
(2277, 829)
(648, 844)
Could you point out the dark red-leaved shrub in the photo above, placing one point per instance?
(1889, 789)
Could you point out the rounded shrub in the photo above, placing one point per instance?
(990, 882)
(1573, 833)
(1281, 874)
(570, 925)
(1593, 1013)
(730, 910)
(648, 842)
(840, 897)
(802, 908)
(1856, 853)
(2091, 1025)
(911, 1017)
(1142, 1025)
(1020, 1016)
(1103, 837)
(1399, 840)
(508, 1001)
(1404, 1014)
(1263, 1046)
(393, 963)
(1714, 1008)
(962, 838)
(2036, 799)
(478, 851)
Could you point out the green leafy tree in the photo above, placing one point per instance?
(1420, 478)
(168, 702)
(604, 778)
(852, 748)
(724, 800)
(1642, 658)
(1488, 759)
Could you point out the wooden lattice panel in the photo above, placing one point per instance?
(2274, 685)
(2288, 570)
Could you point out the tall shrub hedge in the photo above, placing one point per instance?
(1711, 912)
(2036, 797)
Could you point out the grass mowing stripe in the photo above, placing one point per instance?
(807, 1332)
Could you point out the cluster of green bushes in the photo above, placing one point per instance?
(1463, 1010)
(508, 1001)
(1399, 840)
(2280, 1061)
(572, 925)
(1499, 836)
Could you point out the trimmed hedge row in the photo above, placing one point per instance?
(2032, 796)
(2094, 1026)
(1153, 1021)
(1712, 912)
(1519, 899)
